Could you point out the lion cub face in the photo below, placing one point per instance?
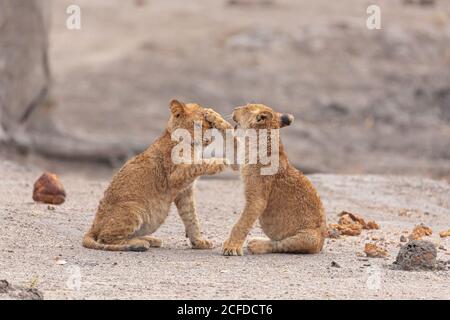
(259, 116)
(190, 117)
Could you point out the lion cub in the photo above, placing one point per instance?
(287, 205)
(138, 199)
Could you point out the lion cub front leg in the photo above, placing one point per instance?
(189, 172)
(253, 210)
(186, 209)
(257, 191)
(233, 246)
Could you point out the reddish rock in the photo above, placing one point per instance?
(49, 189)
(420, 231)
(373, 251)
(444, 234)
(372, 225)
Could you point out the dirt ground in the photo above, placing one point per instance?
(365, 101)
(40, 245)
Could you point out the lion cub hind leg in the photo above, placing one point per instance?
(152, 241)
(306, 241)
(134, 244)
(120, 231)
(260, 246)
(186, 209)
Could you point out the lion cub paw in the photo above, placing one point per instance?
(259, 246)
(152, 241)
(215, 165)
(212, 117)
(202, 244)
(231, 248)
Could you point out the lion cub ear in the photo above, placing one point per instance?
(286, 120)
(262, 116)
(177, 108)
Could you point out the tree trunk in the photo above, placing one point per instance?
(26, 117)
(24, 69)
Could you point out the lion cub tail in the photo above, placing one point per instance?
(90, 243)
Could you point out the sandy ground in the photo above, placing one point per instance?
(33, 235)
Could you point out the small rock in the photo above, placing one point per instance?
(351, 230)
(19, 293)
(417, 255)
(4, 286)
(363, 259)
(373, 251)
(347, 229)
(403, 238)
(49, 189)
(60, 261)
(333, 233)
(444, 234)
(335, 264)
(349, 218)
(351, 224)
(372, 225)
(420, 231)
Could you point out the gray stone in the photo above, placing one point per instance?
(8, 291)
(417, 255)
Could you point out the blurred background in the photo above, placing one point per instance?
(364, 101)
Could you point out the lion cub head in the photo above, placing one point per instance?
(259, 116)
(190, 117)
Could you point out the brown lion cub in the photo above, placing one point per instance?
(138, 199)
(286, 203)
